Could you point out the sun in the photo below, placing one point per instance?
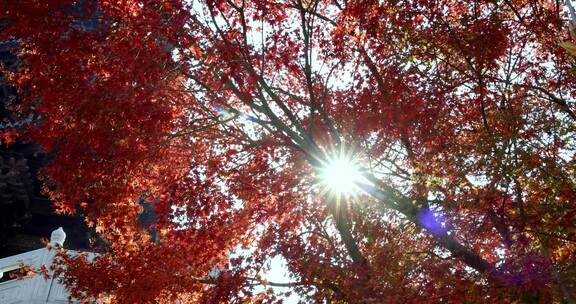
(340, 175)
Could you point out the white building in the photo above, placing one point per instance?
(34, 290)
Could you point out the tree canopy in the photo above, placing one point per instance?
(455, 121)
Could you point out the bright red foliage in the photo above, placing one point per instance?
(218, 113)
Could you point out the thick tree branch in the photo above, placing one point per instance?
(340, 213)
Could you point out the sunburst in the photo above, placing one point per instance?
(340, 175)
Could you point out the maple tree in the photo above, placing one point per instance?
(221, 115)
